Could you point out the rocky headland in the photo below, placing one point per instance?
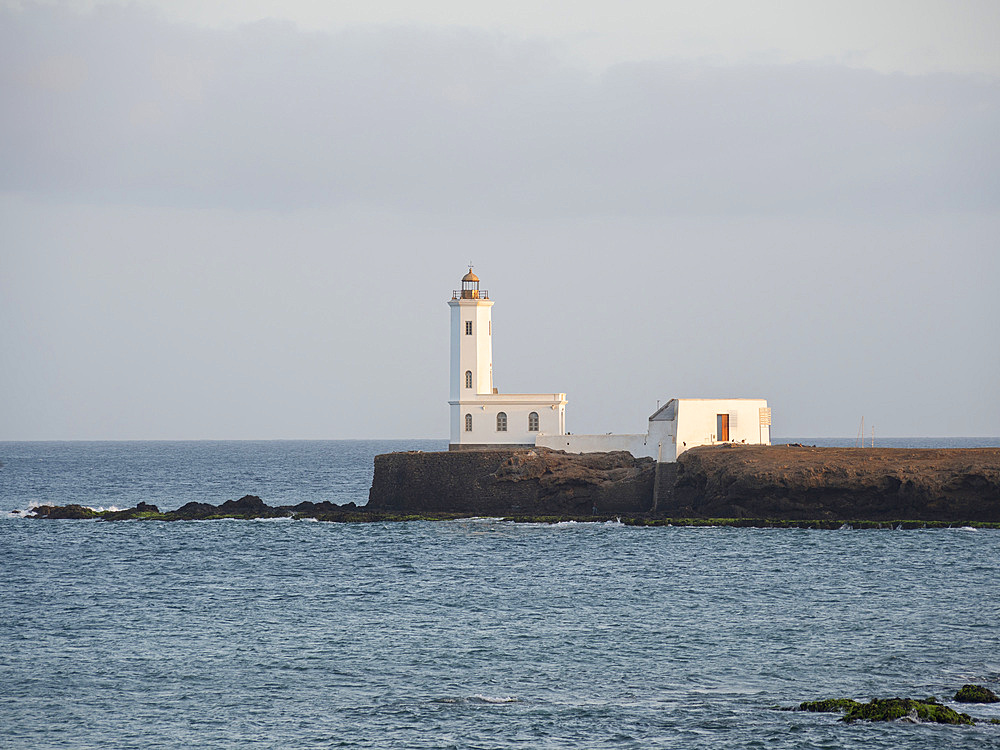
(734, 485)
(873, 484)
(736, 482)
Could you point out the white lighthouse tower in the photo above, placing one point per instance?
(482, 417)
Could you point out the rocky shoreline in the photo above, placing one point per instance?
(341, 514)
(745, 486)
(779, 483)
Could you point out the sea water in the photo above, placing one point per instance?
(465, 634)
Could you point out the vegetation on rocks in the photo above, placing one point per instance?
(889, 709)
(829, 706)
(976, 694)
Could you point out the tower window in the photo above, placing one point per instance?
(468, 328)
(502, 422)
(533, 422)
(468, 423)
(468, 378)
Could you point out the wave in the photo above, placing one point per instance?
(479, 519)
(480, 698)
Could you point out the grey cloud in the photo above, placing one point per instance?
(120, 106)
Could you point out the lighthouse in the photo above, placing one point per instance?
(481, 416)
(471, 339)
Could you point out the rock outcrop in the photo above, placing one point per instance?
(720, 482)
(799, 482)
(890, 709)
(247, 507)
(520, 482)
(976, 694)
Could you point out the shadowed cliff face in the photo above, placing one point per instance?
(777, 482)
(843, 483)
(524, 481)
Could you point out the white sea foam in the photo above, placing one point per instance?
(495, 699)
(480, 519)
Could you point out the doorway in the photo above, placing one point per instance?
(722, 427)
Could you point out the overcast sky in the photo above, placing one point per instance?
(244, 219)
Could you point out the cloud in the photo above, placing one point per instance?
(121, 106)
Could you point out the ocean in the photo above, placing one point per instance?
(459, 634)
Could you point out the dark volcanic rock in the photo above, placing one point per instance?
(193, 511)
(722, 482)
(976, 694)
(72, 512)
(309, 509)
(517, 481)
(249, 506)
(877, 484)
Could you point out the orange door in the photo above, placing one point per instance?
(722, 433)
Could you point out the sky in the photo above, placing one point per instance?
(243, 220)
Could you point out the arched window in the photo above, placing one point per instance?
(533, 422)
(468, 378)
(501, 422)
(468, 423)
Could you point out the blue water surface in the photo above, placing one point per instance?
(464, 634)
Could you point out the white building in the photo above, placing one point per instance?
(682, 424)
(481, 416)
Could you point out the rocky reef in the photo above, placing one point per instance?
(890, 709)
(247, 507)
(976, 694)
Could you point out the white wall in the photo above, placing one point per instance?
(550, 408)
(471, 352)
(637, 445)
(483, 334)
(696, 423)
(662, 437)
